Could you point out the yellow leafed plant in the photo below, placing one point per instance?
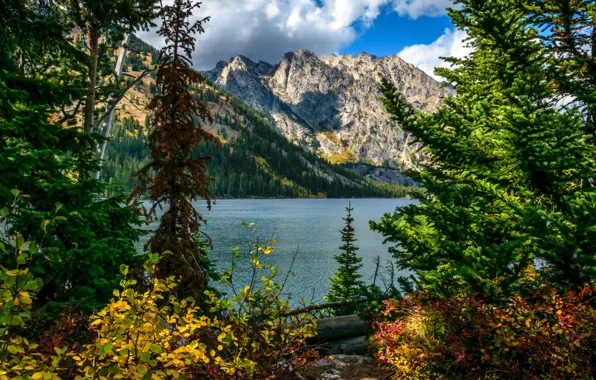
(149, 334)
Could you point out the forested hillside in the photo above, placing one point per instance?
(253, 159)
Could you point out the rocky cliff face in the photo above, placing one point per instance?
(332, 103)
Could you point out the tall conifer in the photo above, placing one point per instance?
(176, 175)
(43, 154)
(506, 170)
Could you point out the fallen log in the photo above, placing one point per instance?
(340, 327)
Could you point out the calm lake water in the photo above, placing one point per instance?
(308, 226)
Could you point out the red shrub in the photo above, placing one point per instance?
(549, 334)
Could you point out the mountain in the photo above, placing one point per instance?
(331, 104)
(253, 160)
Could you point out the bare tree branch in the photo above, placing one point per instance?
(114, 103)
(310, 308)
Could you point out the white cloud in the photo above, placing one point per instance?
(266, 29)
(427, 57)
(417, 8)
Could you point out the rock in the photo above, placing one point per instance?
(331, 374)
(330, 362)
(292, 373)
(349, 346)
(347, 367)
(332, 103)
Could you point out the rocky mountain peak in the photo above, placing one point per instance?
(305, 53)
(242, 62)
(332, 103)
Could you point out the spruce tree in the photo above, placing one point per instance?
(569, 39)
(176, 174)
(506, 170)
(346, 283)
(43, 153)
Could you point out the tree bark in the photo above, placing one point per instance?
(92, 77)
(105, 131)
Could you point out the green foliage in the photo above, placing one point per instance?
(346, 284)
(568, 36)
(45, 155)
(511, 176)
(135, 61)
(125, 154)
(547, 335)
(18, 287)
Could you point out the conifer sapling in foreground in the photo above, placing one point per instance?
(346, 283)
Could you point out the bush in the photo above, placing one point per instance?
(151, 333)
(548, 334)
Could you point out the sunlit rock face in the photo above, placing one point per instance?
(332, 103)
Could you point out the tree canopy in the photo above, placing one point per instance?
(510, 175)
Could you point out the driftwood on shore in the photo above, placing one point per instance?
(339, 335)
(342, 335)
(340, 327)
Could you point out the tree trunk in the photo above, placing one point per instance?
(105, 131)
(92, 77)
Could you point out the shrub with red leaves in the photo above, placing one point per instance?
(549, 334)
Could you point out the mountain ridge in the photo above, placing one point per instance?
(254, 159)
(331, 104)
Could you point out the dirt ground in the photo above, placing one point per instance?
(348, 367)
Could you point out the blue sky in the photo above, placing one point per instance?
(419, 31)
(391, 33)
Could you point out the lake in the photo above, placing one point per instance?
(308, 226)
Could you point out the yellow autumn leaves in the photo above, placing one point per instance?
(150, 334)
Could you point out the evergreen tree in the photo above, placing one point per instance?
(42, 154)
(505, 180)
(103, 25)
(176, 175)
(346, 283)
(570, 43)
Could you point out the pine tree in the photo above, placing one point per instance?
(570, 42)
(42, 154)
(176, 175)
(103, 25)
(346, 283)
(506, 174)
